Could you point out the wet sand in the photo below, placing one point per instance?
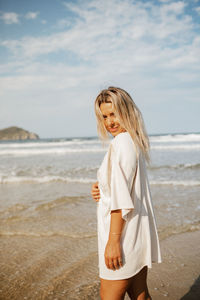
(41, 268)
(178, 277)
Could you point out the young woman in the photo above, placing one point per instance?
(127, 234)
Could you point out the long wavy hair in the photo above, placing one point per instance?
(128, 114)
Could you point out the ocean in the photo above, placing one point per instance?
(48, 218)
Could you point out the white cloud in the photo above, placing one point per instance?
(137, 45)
(91, 34)
(63, 23)
(140, 40)
(175, 7)
(198, 9)
(31, 15)
(10, 18)
(130, 30)
(13, 18)
(103, 34)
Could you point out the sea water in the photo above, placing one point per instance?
(48, 218)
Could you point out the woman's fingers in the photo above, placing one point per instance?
(116, 264)
(95, 195)
(95, 192)
(113, 264)
(120, 262)
(109, 263)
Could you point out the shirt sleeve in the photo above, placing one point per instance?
(123, 169)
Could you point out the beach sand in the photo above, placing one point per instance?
(38, 268)
(178, 276)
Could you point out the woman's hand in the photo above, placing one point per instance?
(113, 253)
(95, 191)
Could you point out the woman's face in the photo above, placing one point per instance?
(111, 122)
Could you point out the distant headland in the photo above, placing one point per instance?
(16, 133)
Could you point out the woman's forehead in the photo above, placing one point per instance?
(106, 108)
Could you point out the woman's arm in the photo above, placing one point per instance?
(113, 255)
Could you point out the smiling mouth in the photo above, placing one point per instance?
(113, 129)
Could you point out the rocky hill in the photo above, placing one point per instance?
(16, 133)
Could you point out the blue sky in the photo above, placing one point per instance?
(55, 57)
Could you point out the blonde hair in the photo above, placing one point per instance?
(129, 116)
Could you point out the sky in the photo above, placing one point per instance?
(56, 56)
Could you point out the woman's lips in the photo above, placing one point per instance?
(113, 129)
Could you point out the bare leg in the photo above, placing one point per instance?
(138, 289)
(113, 289)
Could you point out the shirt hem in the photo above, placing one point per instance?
(125, 276)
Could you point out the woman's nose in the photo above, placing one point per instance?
(110, 122)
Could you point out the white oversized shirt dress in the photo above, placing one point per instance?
(123, 184)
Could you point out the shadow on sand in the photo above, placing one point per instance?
(194, 292)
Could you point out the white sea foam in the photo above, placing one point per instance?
(61, 146)
(43, 179)
(43, 144)
(64, 150)
(177, 166)
(193, 137)
(176, 147)
(85, 180)
(175, 182)
(50, 151)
